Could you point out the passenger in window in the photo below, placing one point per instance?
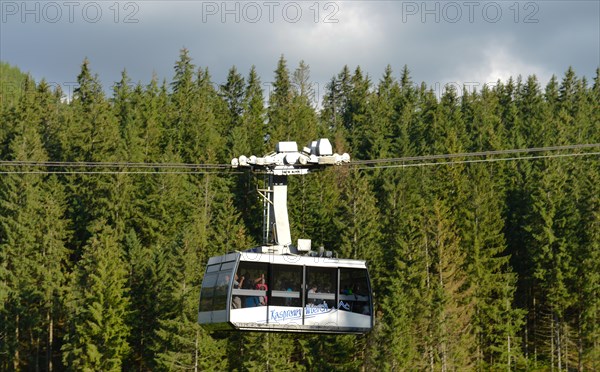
(238, 282)
(346, 291)
(261, 285)
(312, 289)
(249, 301)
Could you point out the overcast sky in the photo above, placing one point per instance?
(460, 42)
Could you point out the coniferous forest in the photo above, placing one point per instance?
(475, 266)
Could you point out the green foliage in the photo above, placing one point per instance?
(12, 85)
(99, 304)
(473, 266)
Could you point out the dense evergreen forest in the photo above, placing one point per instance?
(483, 266)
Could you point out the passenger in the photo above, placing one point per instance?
(261, 285)
(313, 289)
(247, 284)
(236, 301)
(250, 301)
(288, 300)
(238, 282)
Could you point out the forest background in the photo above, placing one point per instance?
(474, 266)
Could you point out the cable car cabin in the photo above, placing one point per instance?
(286, 293)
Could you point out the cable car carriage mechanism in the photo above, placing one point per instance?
(280, 286)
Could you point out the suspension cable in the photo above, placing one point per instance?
(479, 161)
(197, 168)
(476, 154)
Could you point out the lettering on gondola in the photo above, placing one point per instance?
(311, 309)
(285, 314)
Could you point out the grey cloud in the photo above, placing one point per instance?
(435, 43)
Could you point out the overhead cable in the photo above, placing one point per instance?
(476, 154)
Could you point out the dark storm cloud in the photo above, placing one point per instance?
(440, 42)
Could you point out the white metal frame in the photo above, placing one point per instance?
(286, 161)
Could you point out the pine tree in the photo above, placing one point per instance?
(378, 133)
(356, 119)
(332, 107)
(587, 284)
(335, 112)
(405, 107)
(426, 108)
(496, 322)
(254, 114)
(227, 234)
(93, 136)
(403, 295)
(359, 217)
(146, 275)
(206, 141)
(449, 341)
(485, 126)
(154, 103)
(99, 304)
(233, 92)
(181, 343)
(182, 101)
(303, 118)
(280, 101)
(51, 126)
(127, 104)
(552, 253)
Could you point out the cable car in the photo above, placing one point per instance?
(286, 287)
(266, 292)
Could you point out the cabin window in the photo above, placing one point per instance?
(215, 286)
(321, 286)
(220, 294)
(354, 291)
(286, 282)
(251, 286)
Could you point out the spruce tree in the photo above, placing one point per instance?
(449, 342)
(358, 217)
(356, 119)
(98, 306)
(303, 118)
(254, 114)
(233, 92)
(280, 102)
(382, 117)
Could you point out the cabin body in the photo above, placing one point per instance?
(285, 293)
